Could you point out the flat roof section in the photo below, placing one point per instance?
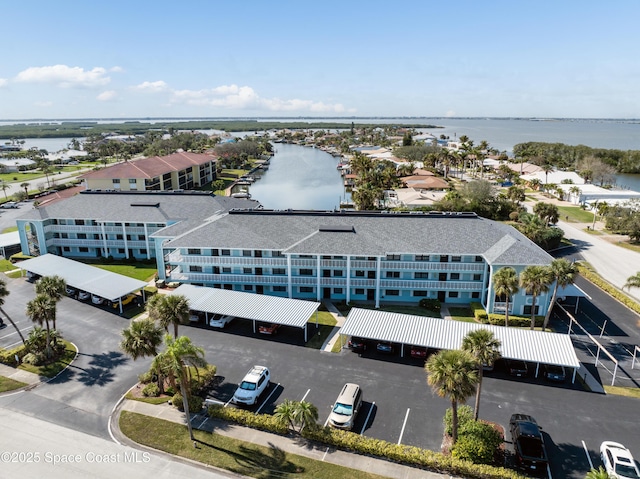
(257, 307)
(100, 282)
(533, 346)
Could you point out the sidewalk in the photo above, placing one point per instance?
(289, 444)
(19, 375)
(334, 336)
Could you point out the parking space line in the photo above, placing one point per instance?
(368, 416)
(404, 424)
(586, 451)
(269, 396)
(305, 395)
(206, 418)
(228, 402)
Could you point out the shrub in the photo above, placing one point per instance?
(430, 304)
(465, 414)
(481, 316)
(477, 442)
(472, 448)
(195, 402)
(264, 422)
(151, 390)
(148, 377)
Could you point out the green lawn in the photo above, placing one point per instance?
(8, 384)
(317, 337)
(10, 229)
(462, 314)
(231, 454)
(6, 265)
(50, 370)
(575, 214)
(413, 310)
(143, 272)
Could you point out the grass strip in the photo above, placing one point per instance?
(8, 384)
(228, 453)
(51, 370)
(622, 391)
(326, 322)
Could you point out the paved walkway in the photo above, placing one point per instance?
(289, 444)
(19, 375)
(334, 335)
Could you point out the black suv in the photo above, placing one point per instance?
(528, 444)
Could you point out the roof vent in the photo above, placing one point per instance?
(337, 229)
(149, 203)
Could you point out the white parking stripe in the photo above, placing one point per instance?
(586, 451)
(305, 396)
(265, 401)
(404, 424)
(206, 418)
(368, 416)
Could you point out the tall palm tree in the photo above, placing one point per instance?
(25, 185)
(142, 338)
(600, 473)
(535, 280)
(564, 273)
(4, 292)
(53, 286)
(305, 414)
(41, 310)
(485, 348)
(176, 359)
(285, 413)
(632, 281)
(505, 283)
(452, 374)
(4, 186)
(169, 309)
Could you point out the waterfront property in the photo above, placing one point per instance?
(178, 171)
(117, 224)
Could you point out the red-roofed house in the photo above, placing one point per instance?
(178, 171)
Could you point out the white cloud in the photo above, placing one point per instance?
(152, 86)
(45, 104)
(3, 82)
(107, 95)
(116, 69)
(65, 76)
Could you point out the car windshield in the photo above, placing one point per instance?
(246, 385)
(343, 409)
(624, 470)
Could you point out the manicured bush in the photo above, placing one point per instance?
(465, 414)
(430, 304)
(477, 442)
(151, 390)
(148, 377)
(264, 422)
(195, 402)
(8, 357)
(481, 316)
(591, 276)
(472, 448)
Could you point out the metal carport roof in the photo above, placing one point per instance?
(533, 346)
(257, 307)
(100, 282)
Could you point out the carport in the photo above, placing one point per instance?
(107, 285)
(532, 346)
(255, 307)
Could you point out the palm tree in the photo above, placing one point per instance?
(535, 280)
(53, 286)
(564, 273)
(142, 338)
(452, 374)
(485, 348)
(285, 413)
(632, 282)
(25, 185)
(4, 186)
(176, 359)
(4, 292)
(169, 309)
(41, 310)
(305, 414)
(505, 283)
(600, 473)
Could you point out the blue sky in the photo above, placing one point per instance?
(138, 58)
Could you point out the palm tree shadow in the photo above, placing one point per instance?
(108, 360)
(95, 376)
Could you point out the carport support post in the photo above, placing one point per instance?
(597, 355)
(305, 333)
(615, 371)
(537, 368)
(573, 379)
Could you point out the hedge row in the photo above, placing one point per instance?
(8, 357)
(350, 441)
(588, 274)
(481, 316)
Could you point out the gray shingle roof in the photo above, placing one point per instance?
(372, 235)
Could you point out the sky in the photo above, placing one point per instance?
(334, 58)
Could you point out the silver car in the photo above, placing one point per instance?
(346, 407)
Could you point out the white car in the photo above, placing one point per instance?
(95, 299)
(220, 321)
(255, 382)
(618, 461)
(83, 295)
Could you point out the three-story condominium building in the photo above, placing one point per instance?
(354, 256)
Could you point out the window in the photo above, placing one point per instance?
(226, 270)
(444, 258)
(337, 272)
(475, 295)
(456, 259)
(80, 222)
(478, 259)
(420, 293)
(455, 276)
(116, 181)
(326, 273)
(392, 292)
(119, 237)
(82, 236)
(421, 276)
(393, 274)
(246, 252)
(225, 252)
(360, 274)
(453, 294)
(215, 252)
(359, 290)
(143, 251)
(306, 289)
(133, 184)
(422, 257)
(247, 270)
(66, 248)
(83, 249)
(248, 287)
(371, 274)
(477, 277)
(279, 271)
(279, 289)
(337, 290)
(276, 254)
(527, 310)
(121, 250)
(393, 257)
(306, 272)
(195, 269)
(193, 251)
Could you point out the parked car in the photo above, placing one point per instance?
(220, 321)
(255, 382)
(195, 316)
(528, 443)
(554, 373)
(71, 291)
(419, 352)
(32, 277)
(9, 205)
(385, 347)
(344, 411)
(125, 300)
(268, 328)
(517, 368)
(95, 299)
(83, 295)
(357, 345)
(618, 461)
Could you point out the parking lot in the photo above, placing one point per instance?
(398, 405)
